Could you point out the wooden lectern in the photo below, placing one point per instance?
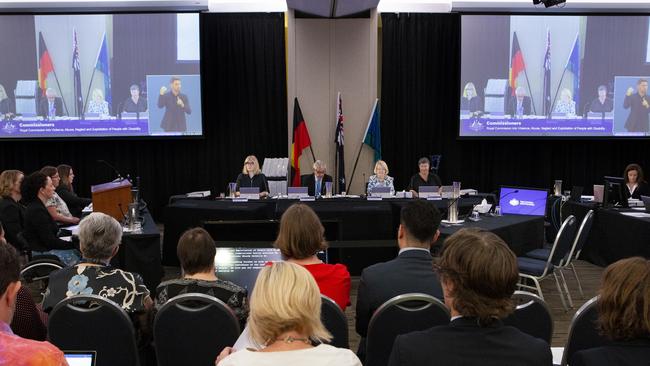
(112, 198)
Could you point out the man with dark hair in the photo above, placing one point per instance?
(479, 275)
(15, 350)
(602, 104)
(639, 106)
(135, 103)
(176, 106)
(410, 272)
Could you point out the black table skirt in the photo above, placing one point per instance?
(613, 235)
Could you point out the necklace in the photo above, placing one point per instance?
(291, 339)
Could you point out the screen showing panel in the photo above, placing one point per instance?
(100, 75)
(520, 201)
(554, 76)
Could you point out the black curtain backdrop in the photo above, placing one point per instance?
(420, 94)
(245, 112)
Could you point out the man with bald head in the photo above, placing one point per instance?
(51, 106)
(520, 104)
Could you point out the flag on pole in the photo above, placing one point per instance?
(372, 137)
(299, 142)
(76, 71)
(45, 66)
(516, 63)
(547, 75)
(103, 66)
(573, 65)
(338, 140)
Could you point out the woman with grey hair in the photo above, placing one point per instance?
(99, 237)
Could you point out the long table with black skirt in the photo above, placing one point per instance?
(613, 235)
(348, 222)
(140, 253)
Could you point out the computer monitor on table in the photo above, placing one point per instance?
(613, 192)
(523, 201)
(80, 358)
(646, 202)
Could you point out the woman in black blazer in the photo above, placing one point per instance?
(75, 203)
(623, 316)
(11, 211)
(635, 184)
(40, 230)
(252, 176)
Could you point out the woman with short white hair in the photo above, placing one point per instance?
(99, 238)
(285, 310)
(380, 178)
(98, 104)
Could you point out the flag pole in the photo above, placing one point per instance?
(355, 168)
(372, 114)
(92, 77)
(530, 91)
(562, 77)
(57, 82)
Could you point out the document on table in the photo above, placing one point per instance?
(641, 215)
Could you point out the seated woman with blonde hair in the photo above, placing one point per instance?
(380, 178)
(284, 319)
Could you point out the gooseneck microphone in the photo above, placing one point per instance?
(117, 172)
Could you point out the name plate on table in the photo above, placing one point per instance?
(308, 199)
(434, 198)
(383, 192)
(374, 198)
(428, 191)
(297, 192)
(240, 199)
(252, 193)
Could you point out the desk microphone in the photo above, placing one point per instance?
(504, 196)
(119, 176)
(122, 212)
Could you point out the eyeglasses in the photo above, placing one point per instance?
(249, 163)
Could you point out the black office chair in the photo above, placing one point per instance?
(335, 321)
(400, 315)
(92, 322)
(583, 331)
(531, 316)
(35, 275)
(191, 329)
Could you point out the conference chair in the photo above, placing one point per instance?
(578, 245)
(191, 329)
(95, 323)
(531, 316)
(35, 275)
(400, 315)
(538, 270)
(335, 321)
(583, 331)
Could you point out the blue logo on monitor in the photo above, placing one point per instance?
(9, 127)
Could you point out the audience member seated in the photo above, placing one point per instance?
(623, 316)
(11, 211)
(285, 321)
(380, 178)
(635, 184)
(411, 271)
(99, 237)
(300, 238)
(424, 177)
(66, 192)
(479, 274)
(315, 183)
(15, 350)
(252, 176)
(56, 206)
(196, 251)
(41, 231)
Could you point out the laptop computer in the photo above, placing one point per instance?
(297, 192)
(241, 265)
(383, 192)
(447, 192)
(428, 191)
(646, 202)
(252, 193)
(80, 358)
(523, 201)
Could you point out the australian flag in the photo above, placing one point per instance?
(76, 72)
(338, 140)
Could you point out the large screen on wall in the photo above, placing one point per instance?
(100, 75)
(554, 76)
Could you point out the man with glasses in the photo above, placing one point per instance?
(315, 183)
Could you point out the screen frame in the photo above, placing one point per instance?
(498, 201)
(458, 87)
(202, 68)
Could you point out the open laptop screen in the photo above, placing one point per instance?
(523, 201)
(80, 358)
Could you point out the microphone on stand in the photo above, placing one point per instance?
(500, 198)
(117, 172)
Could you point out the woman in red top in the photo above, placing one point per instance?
(301, 236)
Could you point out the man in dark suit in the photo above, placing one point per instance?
(479, 274)
(51, 106)
(520, 105)
(176, 106)
(639, 106)
(315, 183)
(602, 104)
(411, 271)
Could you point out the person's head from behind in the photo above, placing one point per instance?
(381, 169)
(37, 186)
(196, 251)
(98, 95)
(624, 302)
(50, 94)
(566, 95)
(320, 168)
(285, 299)
(520, 93)
(66, 174)
(469, 91)
(251, 165)
(642, 87)
(419, 222)
(424, 165)
(99, 237)
(9, 281)
(479, 274)
(301, 233)
(633, 174)
(175, 84)
(135, 91)
(602, 92)
(10, 181)
(53, 173)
